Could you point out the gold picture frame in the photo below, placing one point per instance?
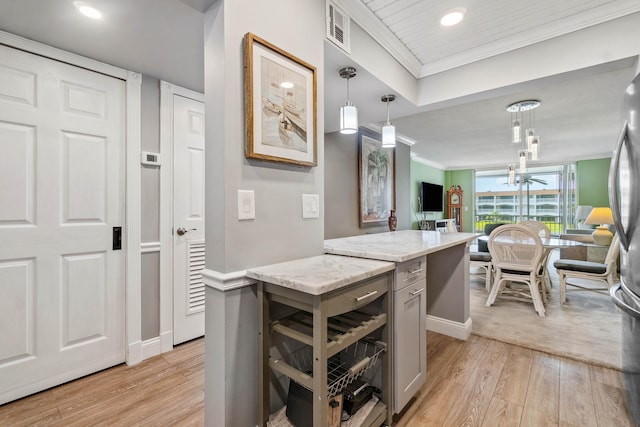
(376, 172)
(280, 104)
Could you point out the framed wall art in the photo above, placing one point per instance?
(280, 104)
(376, 179)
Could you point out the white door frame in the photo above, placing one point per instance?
(167, 91)
(133, 189)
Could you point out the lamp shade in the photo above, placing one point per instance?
(388, 135)
(602, 216)
(348, 119)
(599, 216)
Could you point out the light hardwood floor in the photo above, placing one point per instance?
(478, 382)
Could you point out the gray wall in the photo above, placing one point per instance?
(341, 216)
(278, 232)
(150, 210)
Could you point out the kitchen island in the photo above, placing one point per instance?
(447, 270)
(339, 309)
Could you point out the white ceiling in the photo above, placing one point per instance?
(580, 115)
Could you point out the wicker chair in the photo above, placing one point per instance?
(482, 260)
(605, 273)
(544, 232)
(517, 253)
(538, 226)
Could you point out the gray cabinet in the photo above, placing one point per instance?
(329, 325)
(410, 335)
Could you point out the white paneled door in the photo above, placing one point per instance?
(61, 195)
(188, 218)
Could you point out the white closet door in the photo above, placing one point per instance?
(61, 193)
(188, 218)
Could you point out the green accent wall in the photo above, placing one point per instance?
(592, 180)
(465, 179)
(420, 172)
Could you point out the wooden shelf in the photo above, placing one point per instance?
(342, 330)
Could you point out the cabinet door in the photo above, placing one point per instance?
(410, 342)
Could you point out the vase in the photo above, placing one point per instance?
(393, 221)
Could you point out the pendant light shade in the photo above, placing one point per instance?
(523, 160)
(530, 136)
(348, 119)
(388, 130)
(348, 112)
(512, 175)
(516, 138)
(388, 135)
(534, 148)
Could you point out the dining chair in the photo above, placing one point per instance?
(544, 232)
(538, 226)
(516, 253)
(482, 260)
(595, 271)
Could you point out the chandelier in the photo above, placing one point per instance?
(523, 112)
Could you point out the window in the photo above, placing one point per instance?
(544, 193)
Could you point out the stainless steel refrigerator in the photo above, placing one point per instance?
(624, 199)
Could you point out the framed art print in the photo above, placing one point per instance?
(280, 104)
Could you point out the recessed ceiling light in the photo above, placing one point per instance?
(87, 10)
(453, 17)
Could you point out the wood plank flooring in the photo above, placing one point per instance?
(478, 382)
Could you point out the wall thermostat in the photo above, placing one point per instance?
(150, 159)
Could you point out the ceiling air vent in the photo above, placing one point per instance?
(338, 27)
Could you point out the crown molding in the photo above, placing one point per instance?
(613, 10)
(420, 159)
(370, 23)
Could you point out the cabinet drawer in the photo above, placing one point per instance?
(358, 295)
(410, 272)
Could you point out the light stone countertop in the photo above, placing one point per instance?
(396, 246)
(320, 274)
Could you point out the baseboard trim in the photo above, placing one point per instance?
(166, 341)
(226, 281)
(151, 347)
(450, 328)
(134, 353)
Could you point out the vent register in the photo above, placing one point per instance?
(195, 294)
(338, 27)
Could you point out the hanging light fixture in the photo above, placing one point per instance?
(522, 158)
(515, 128)
(530, 150)
(388, 130)
(534, 148)
(521, 107)
(512, 175)
(348, 112)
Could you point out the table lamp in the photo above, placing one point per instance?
(582, 212)
(602, 216)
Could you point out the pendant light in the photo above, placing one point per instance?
(522, 155)
(534, 147)
(512, 175)
(388, 130)
(516, 139)
(348, 112)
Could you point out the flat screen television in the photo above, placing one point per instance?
(432, 197)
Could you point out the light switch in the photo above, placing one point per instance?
(310, 206)
(246, 205)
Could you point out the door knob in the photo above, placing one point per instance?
(182, 230)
